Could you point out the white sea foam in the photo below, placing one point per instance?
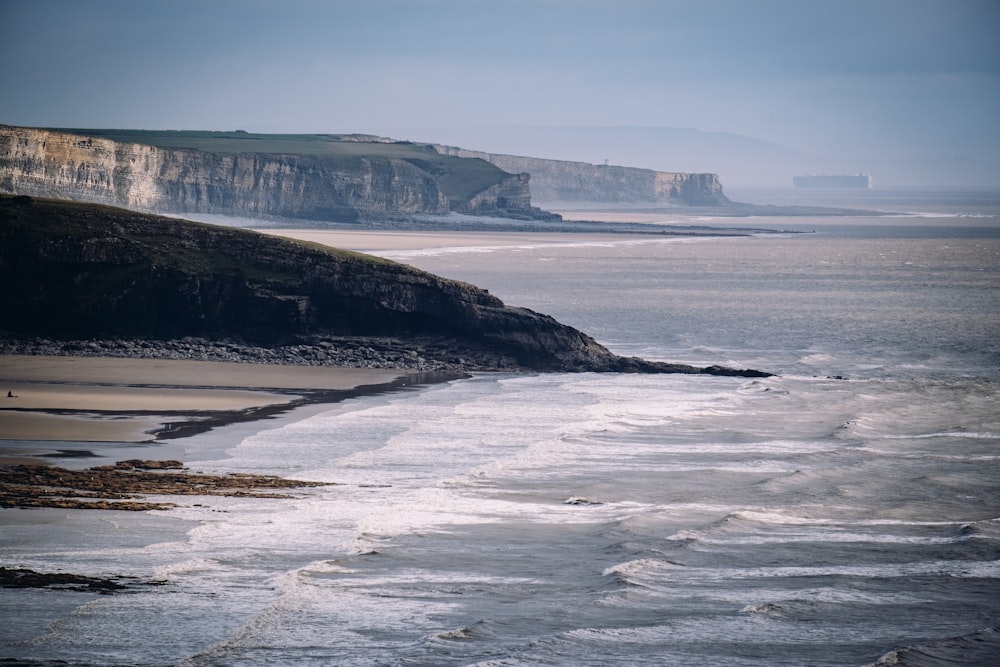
(654, 571)
(806, 519)
(990, 435)
(403, 255)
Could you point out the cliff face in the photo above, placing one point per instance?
(562, 181)
(85, 271)
(316, 177)
(346, 186)
(509, 198)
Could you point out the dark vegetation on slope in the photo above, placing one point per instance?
(88, 271)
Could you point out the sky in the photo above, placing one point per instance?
(911, 87)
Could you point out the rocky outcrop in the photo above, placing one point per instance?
(332, 179)
(509, 198)
(16, 577)
(563, 181)
(86, 271)
(122, 486)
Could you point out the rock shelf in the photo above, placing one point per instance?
(25, 578)
(124, 485)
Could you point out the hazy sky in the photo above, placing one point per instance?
(867, 79)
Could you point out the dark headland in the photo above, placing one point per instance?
(85, 272)
(96, 282)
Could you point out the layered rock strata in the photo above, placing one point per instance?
(349, 184)
(565, 181)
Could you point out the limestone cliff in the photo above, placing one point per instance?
(563, 181)
(316, 177)
(86, 271)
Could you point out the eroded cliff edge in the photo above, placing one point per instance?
(317, 178)
(321, 178)
(86, 271)
(564, 181)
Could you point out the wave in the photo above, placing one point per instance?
(742, 640)
(752, 528)
(668, 575)
(958, 569)
(769, 609)
(978, 648)
(190, 566)
(399, 255)
(986, 435)
(816, 358)
(747, 449)
(640, 572)
(810, 599)
(805, 604)
(936, 214)
(580, 500)
(988, 528)
(796, 478)
(831, 537)
(480, 631)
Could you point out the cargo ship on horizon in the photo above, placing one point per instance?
(833, 181)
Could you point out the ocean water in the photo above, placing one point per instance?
(844, 509)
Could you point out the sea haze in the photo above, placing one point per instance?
(843, 509)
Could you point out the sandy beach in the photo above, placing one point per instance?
(126, 400)
(620, 216)
(95, 399)
(376, 241)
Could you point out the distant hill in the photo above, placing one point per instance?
(736, 159)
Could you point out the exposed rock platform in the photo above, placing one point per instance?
(122, 486)
(14, 577)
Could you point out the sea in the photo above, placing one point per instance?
(845, 511)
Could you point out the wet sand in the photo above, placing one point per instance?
(89, 399)
(93, 399)
(624, 216)
(380, 241)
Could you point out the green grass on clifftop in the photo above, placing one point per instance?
(458, 178)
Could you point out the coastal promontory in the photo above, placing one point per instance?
(317, 179)
(563, 181)
(89, 272)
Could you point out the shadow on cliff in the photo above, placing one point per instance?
(90, 271)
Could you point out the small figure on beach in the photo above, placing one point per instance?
(10, 394)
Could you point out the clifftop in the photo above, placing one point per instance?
(320, 178)
(332, 178)
(88, 271)
(566, 181)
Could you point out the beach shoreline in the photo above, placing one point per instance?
(60, 399)
(56, 397)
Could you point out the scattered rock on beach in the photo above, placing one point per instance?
(122, 486)
(24, 578)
